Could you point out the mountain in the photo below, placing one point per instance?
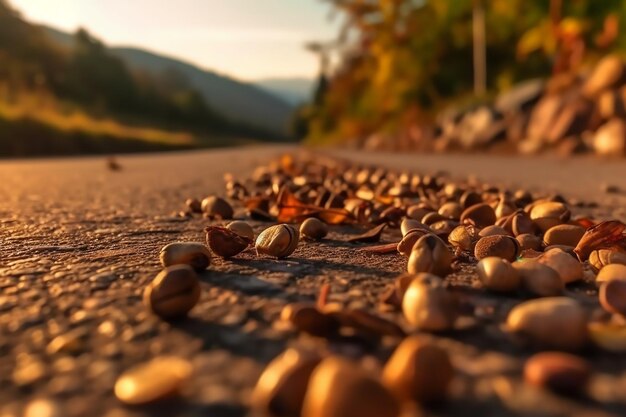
(235, 100)
(293, 90)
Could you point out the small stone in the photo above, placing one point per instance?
(559, 372)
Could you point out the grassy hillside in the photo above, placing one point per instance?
(55, 98)
(235, 100)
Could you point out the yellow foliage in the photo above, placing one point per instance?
(46, 109)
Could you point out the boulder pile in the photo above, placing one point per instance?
(569, 113)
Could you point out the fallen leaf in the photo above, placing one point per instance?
(372, 235)
(603, 235)
(381, 249)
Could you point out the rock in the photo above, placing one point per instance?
(571, 120)
(608, 73)
(520, 97)
(610, 138)
(543, 116)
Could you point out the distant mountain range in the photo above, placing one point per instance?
(295, 91)
(268, 104)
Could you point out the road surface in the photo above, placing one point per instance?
(78, 243)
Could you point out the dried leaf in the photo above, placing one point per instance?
(584, 222)
(387, 248)
(369, 323)
(224, 242)
(334, 216)
(603, 235)
(372, 235)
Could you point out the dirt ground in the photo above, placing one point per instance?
(78, 244)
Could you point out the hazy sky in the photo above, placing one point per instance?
(247, 39)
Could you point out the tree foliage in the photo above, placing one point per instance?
(401, 60)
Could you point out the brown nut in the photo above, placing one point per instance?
(217, 207)
(408, 225)
(307, 318)
(599, 258)
(451, 210)
(464, 237)
(157, 379)
(242, 228)
(522, 224)
(194, 205)
(278, 241)
(493, 230)
(557, 371)
(417, 211)
(564, 234)
(408, 241)
(613, 296)
(502, 246)
(193, 254)
(498, 274)
(568, 267)
(314, 229)
(553, 322)
(429, 254)
(173, 292)
(479, 215)
(549, 214)
(225, 242)
(528, 241)
(418, 371)
(608, 336)
(539, 279)
(427, 305)
(611, 272)
(281, 388)
(338, 388)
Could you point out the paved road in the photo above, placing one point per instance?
(78, 243)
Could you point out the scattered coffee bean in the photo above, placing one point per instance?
(559, 372)
(313, 229)
(553, 322)
(157, 379)
(277, 241)
(193, 254)
(173, 293)
(338, 388)
(498, 275)
(427, 304)
(418, 371)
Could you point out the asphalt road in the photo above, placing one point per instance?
(78, 243)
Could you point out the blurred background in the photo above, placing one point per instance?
(515, 76)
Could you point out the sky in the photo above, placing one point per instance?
(245, 39)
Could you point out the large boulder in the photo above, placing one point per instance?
(521, 97)
(608, 73)
(610, 138)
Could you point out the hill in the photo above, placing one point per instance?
(235, 100)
